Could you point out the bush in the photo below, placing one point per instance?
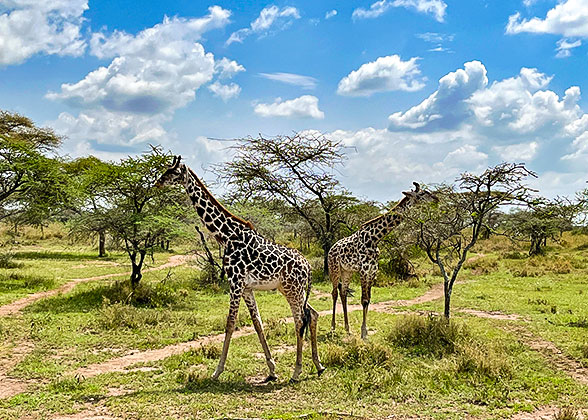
(566, 413)
(145, 294)
(514, 255)
(482, 265)
(356, 353)
(119, 315)
(432, 335)
(584, 350)
(474, 359)
(7, 261)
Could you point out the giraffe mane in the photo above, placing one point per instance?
(218, 204)
(364, 224)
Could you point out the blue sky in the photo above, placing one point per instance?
(416, 89)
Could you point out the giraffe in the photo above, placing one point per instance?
(252, 263)
(359, 253)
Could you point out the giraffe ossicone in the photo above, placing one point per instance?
(359, 253)
(252, 263)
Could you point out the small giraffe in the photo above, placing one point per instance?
(252, 263)
(359, 253)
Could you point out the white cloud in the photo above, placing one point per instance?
(29, 27)
(225, 92)
(271, 16)
(385, 74)
(305, 106)
(438, 39)
(330, 14)
(306, 82)
(227, 68)
(520, 152)
(564, 46)
(446, 107)
(151, 75)
(432, 7)
(568, 18)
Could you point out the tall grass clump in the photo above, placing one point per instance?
(7, 261)
(429, 335)
(150, 295)
(118, 315)
(356, 353)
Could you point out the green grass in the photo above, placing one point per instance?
(415, 366)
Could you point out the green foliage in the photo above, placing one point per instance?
(7, 261)
(356, 353)
(428, 335)
(150, 295)
(120, 315)
(33, 185)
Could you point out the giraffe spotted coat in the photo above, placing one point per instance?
(359, 253)
(252, 263)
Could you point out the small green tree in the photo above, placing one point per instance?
(32, 183)
(140, 215)
(543, 220)
(447, 230)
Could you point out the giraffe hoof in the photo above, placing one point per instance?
(320, 372)
(293, 381)
(270, 378)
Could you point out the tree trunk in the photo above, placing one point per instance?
(102, 243)
(326, 248)
(136, 275)
(447, 293)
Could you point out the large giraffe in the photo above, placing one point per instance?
(252, 263)
(359, 253)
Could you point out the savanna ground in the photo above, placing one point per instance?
(76, 348)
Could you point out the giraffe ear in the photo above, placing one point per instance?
(408, 193)
(417, 187)
(176, 161)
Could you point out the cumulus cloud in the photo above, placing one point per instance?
(565, 46)
(271, 16)
(568, 18)
(520, 152)
(385, 74)
(467, 124)
(225, 92)
(330, 14)
(305, 106)
(306, 82)
(227, 68)
(152, 74)
(40, 27)
(446, 107)
(436, 8)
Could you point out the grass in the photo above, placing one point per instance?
(411, 365)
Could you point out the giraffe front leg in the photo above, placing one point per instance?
(230, 327)
(366, 293)
(256, 319)
(345, 280)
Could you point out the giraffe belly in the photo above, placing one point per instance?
(263, 284)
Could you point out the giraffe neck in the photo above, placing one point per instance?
(379, 227)
(217, 219)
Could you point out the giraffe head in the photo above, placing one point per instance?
(417, 196)
(175, 174)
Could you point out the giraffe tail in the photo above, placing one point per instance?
(306, 309)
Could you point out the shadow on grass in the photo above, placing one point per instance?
(77, 302)
(55, 255)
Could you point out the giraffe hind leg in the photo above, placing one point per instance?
(249, 298)
(313, 340)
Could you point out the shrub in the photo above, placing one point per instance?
(119, 315)
(566, 413)
(356, 353)
(482, 265)
(474, 359)
(145, 294)
(7, 261)
(430, 335)
(584, 350)
(514, 255)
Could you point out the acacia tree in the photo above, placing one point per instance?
(447, 230)
(297, 170)
(141, 215)
(89, 179)
(32, 183)
(544, 219)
